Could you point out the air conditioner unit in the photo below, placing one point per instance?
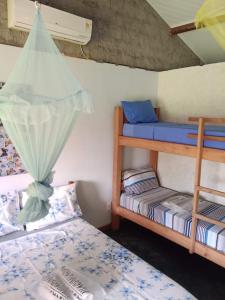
(60, 24)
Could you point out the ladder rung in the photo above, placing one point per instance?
(210, 220)
(211, 191)
(207, 137)
(208, 120)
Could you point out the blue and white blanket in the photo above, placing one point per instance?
(174, 210)
(77, 244)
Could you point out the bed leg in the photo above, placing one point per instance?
(115, 222)
(153, 160)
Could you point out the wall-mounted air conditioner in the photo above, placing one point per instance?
(61, 24)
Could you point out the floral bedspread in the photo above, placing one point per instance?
(79, 245)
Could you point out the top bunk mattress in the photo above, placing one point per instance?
(173, 133)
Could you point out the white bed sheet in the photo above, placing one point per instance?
(82, 247)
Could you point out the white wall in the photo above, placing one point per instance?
(87, 155)
(194, 91)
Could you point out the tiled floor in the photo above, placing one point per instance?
(202, 278)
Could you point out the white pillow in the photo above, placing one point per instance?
(64, 206)
(9, 210)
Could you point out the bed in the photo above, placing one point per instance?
(137, 124)
(173, 133)
(158, 205)
(76, 243)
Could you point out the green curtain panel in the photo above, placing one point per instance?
(39, 105)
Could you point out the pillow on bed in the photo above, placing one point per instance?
(9, 210)
(139, 111)
(64, 206)
(138, 181)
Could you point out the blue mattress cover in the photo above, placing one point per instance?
(173, 132)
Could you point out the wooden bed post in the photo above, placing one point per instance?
(198, 167)
(153, 160)
(117, 167)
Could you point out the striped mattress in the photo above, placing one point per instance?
(173, 210)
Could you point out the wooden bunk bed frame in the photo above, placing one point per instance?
(199, 152)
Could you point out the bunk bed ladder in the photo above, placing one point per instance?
(197, 184)
(198, 167)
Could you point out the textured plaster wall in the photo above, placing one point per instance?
(194, 91)
(125, 32)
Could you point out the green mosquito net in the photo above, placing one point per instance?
(38, 107)
(211, 15)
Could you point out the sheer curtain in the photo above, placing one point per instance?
(39, 105)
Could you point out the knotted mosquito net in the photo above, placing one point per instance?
(211, 15)
(39, 104)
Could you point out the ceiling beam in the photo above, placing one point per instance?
(191, 26)
(182, 28)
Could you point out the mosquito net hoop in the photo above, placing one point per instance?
(211, 15)
(39, 104)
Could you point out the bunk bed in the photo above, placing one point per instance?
(202, 142)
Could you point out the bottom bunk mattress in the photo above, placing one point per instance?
(174, 210)
(77, 244)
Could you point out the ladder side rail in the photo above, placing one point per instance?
(198, 167)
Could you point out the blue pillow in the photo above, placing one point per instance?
(139, 111)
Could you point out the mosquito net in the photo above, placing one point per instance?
(211, 15)
(38, 107)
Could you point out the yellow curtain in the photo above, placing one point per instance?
(211, 15)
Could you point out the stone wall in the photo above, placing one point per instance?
(125, 32)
